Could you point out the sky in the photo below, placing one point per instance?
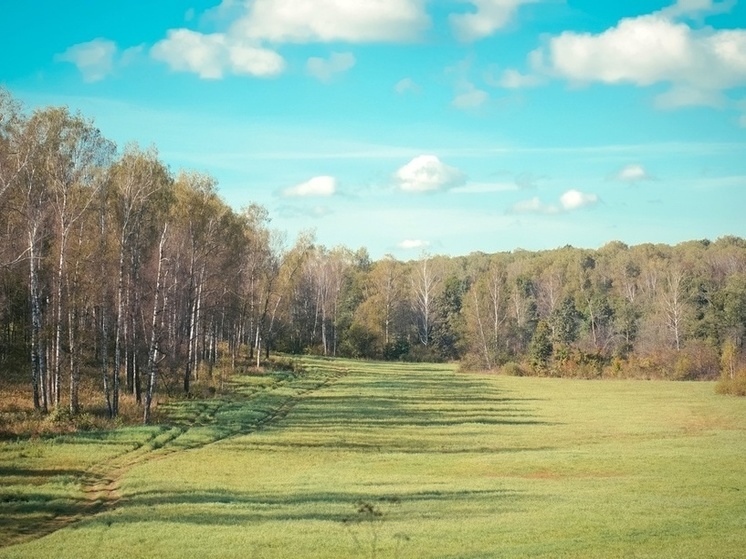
(417, 126)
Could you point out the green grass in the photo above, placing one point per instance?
(387, 460)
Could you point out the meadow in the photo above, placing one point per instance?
(390, 460)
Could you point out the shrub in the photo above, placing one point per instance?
(396, 350)
(471, 362)
(512, 369)
(735, 386)
(422, 354)
(697, 360)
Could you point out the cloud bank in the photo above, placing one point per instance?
(698, 65)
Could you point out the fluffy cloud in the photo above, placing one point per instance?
(490, 16)
(94, 59)
(316, 187)
(413, 244)
(632, 173)
(569, 201)
(426, 173)
(212, 55)
(362, 21)
(324, 70)
(252, 30)
(653, 49)
(575, 199)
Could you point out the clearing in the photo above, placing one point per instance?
(389, 460)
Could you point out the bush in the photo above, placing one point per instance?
(696, 361)
(471, 362)
(395, 351)
(512, 369)
(733, 386)
(422, 354)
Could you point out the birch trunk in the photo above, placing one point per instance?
(153, 348)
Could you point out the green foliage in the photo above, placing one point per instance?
(395, 351)
(564, 322)
(540, 350)
(359, 342)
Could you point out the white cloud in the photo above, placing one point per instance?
(569, 201)
(94, 59)
(471, 98)
(316, 187)
(426, 173)
(324, 70)
(513, 79)
(575, 199)
(633, 173)
(413, 244)
(303, 21)
(212, 55)
(188, 51)
(407, 85)
(251, 31)
(254, 61)
(652, 49)
(490, 16)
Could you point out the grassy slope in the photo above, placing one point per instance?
(417, 461)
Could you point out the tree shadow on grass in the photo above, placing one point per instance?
(29, 514)
(229, 508)
(397, 410)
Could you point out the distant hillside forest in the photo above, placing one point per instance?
(117, 274)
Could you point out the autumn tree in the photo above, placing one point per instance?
(425, 280)
(141, 195)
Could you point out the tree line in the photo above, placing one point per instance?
(119, 274)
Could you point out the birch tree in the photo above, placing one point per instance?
(424, 284)
(141, 192)
(75, 160)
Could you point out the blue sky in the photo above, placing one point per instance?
(446, 126)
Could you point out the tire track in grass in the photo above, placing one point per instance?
(206, 423)
(104, 489)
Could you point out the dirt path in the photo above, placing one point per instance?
(261, 407)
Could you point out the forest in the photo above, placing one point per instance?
(121, 279)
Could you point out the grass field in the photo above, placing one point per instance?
(384, 460)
